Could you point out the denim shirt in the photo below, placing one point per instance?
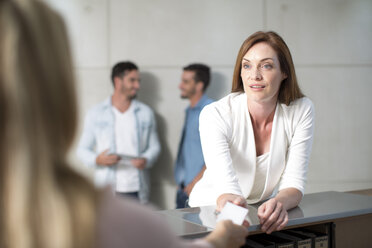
(99, 135)
(190, 158)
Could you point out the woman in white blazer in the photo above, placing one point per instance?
(257, 140)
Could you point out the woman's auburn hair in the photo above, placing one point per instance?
(289, 89)
(43, 201)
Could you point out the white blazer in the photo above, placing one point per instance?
(229, 149)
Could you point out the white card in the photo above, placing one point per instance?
(232, 212)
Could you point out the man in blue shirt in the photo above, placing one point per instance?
(190, 164)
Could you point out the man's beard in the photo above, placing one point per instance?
(188, 94)
(127, 93)
(132, 97)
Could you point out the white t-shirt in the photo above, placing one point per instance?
(259, 178)
(127, 176)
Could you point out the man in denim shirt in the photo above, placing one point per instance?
(119, 139)
(190, 164)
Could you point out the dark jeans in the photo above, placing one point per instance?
(133, 195)
(182, 199)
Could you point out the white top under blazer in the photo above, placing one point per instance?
(229, 149)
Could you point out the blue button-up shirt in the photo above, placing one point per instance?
(190, 158)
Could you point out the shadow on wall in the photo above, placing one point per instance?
(162, 170)
(219, 86)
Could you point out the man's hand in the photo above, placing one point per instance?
(235, 199)
(189, 188)
(105, 159)
(196, 179)
(139, 163)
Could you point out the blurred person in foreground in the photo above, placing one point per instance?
(43, 202)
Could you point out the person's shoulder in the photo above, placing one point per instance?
(207, 100)
(112, 206)
(302, 103)
(142, 106)
(224, 107)
(300, 107)
(227, 102)
(115, 215)
(100, 107)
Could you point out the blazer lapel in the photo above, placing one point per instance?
(247, 182)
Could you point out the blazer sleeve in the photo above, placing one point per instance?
(299, 150)
(215, 133)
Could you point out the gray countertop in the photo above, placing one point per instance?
(316, 207)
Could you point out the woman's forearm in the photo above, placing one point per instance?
(289, 198)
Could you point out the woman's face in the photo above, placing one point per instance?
(261, 73)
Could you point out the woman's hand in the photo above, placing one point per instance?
(272, 215)
(235, 199)
(227, 235)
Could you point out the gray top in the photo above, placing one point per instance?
(316, 207)
(124, 223)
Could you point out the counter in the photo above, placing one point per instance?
(344, 209)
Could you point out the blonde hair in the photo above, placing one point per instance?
(43, 201)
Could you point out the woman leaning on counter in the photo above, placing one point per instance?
(257, 140)
(44, 202)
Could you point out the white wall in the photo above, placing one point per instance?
(330, 41)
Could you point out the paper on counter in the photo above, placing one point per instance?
(232, 212)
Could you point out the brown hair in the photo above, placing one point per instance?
(289, 89)
(43, 201)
